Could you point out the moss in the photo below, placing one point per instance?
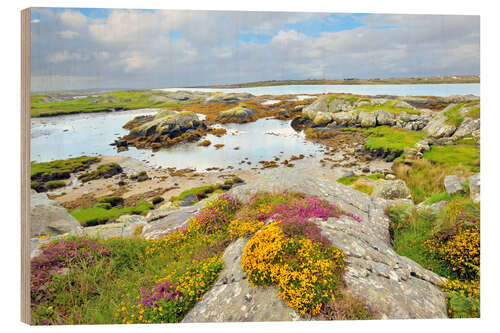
(98, 215)
(391, 139)
(103, 171)
(34, 185)
(53, 184)
(60, 169)
(365, 188)
(454, 116)
(389, 106)
(200, 192)
(112, 200)
(467, 156)
(474, 113)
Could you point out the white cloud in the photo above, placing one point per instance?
(67, 34)
(73, 18)
(64, 56)
(35, 21)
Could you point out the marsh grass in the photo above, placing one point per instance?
(465, 155)
(453, 115)
(104, 212)
(110, 101)
(391, 139)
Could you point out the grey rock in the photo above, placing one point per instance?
(391, 189)
(437, 126)
(367, 119)
(50, 218)
(475, 187)
(384, 118)
(348, 174)
(345, 118)
(233, 299)
(319, 105)
(339, 105)
(452, 184)
(467, 126)
(394, 285)
(171, 221)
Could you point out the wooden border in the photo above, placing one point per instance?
(25, 165)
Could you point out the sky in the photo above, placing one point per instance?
(81, 48)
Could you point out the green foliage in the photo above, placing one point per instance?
(456, 155)
(351, 180)
(463, 306)
(365, 188)
(389, 106)
(391, 139)
(442, 196)
(200, 192)
(112, 200)
(104, 212)
(454, 116)
(53, 184)
(110, 101)
(60, 169)
(474, 113)
(103, 171)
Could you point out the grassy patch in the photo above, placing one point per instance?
(200, 192)
(103, 171)
(60, 169)
(425, 178)
(351, 180)
(474, 113)
(438, 197)
(389, 106)
(110, 101)
(365, 188)
(447, 243)
(464, 155)
(53, 184)
(104, 212)
(453, 115)
(391, 139)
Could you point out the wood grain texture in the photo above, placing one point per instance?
(25, 163)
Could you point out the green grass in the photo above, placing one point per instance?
(438, 197)
(53, 184)
(103, 171)
(474, 113)
(389, 106)
(410, 228)
(114, 100)
(60, 169)
(351, 180)
(200, 192)
(464, 155)
(368, 189)
(453, 115)
(99, 215)
(391, 139)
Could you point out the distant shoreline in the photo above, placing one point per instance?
(457, 79)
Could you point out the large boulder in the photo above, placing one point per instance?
(50, 218)
(384, 118)
(391, 190)
(345, 118)
(368, 119)
(239, 113)
(126, 226)
(171, 123)
(438, 126)
(467, 127)
(339, 105)
(393, 285)
(453, 184)
(232, 298)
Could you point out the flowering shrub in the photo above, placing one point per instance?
(58, 256)
(240, 229)
(307, 275)
(172, 296)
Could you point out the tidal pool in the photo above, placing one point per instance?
(67, 136)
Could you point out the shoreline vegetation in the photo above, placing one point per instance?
(354, 81)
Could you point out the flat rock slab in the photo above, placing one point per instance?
(452, 184)
(170, 221)
(233, 299)
(50, 218)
